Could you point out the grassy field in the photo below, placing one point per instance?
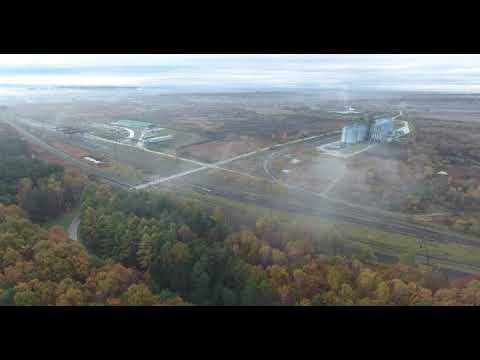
(145, 162)
(158, 133)
(63, 220)
(161, 146)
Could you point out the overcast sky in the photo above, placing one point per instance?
(262, 72)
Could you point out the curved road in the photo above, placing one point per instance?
(377, 218)
(303, 199)
(73, 228)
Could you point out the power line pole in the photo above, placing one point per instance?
(427, 254)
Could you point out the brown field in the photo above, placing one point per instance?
(71, 150)
(46, 156)
(197, 123)
(463, 116)
(219, 149)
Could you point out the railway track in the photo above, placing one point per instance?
(302, 203)
(259, 200)
(329, 209)
(364, 215)
(89, 170)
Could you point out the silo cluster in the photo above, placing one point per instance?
(354, 133)
(382, 130)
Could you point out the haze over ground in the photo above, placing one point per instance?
(443, 73)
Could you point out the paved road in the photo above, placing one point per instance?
(218, 165)
(399, 114)
(267, 167)
(171, 156)
(159, 180)
(73, 228)
(80, 164)
(329, 207)
(360, 214)
(131, 133)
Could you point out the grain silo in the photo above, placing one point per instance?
(381, 130)
(354, 133)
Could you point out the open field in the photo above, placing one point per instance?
(316, 173)
(148, 163)
(72, 150)
(46, 156)
(217, 150)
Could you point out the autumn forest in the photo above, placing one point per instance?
(146, 248)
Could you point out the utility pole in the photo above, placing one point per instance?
(427, 255)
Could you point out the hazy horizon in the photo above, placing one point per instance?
(443, 73)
